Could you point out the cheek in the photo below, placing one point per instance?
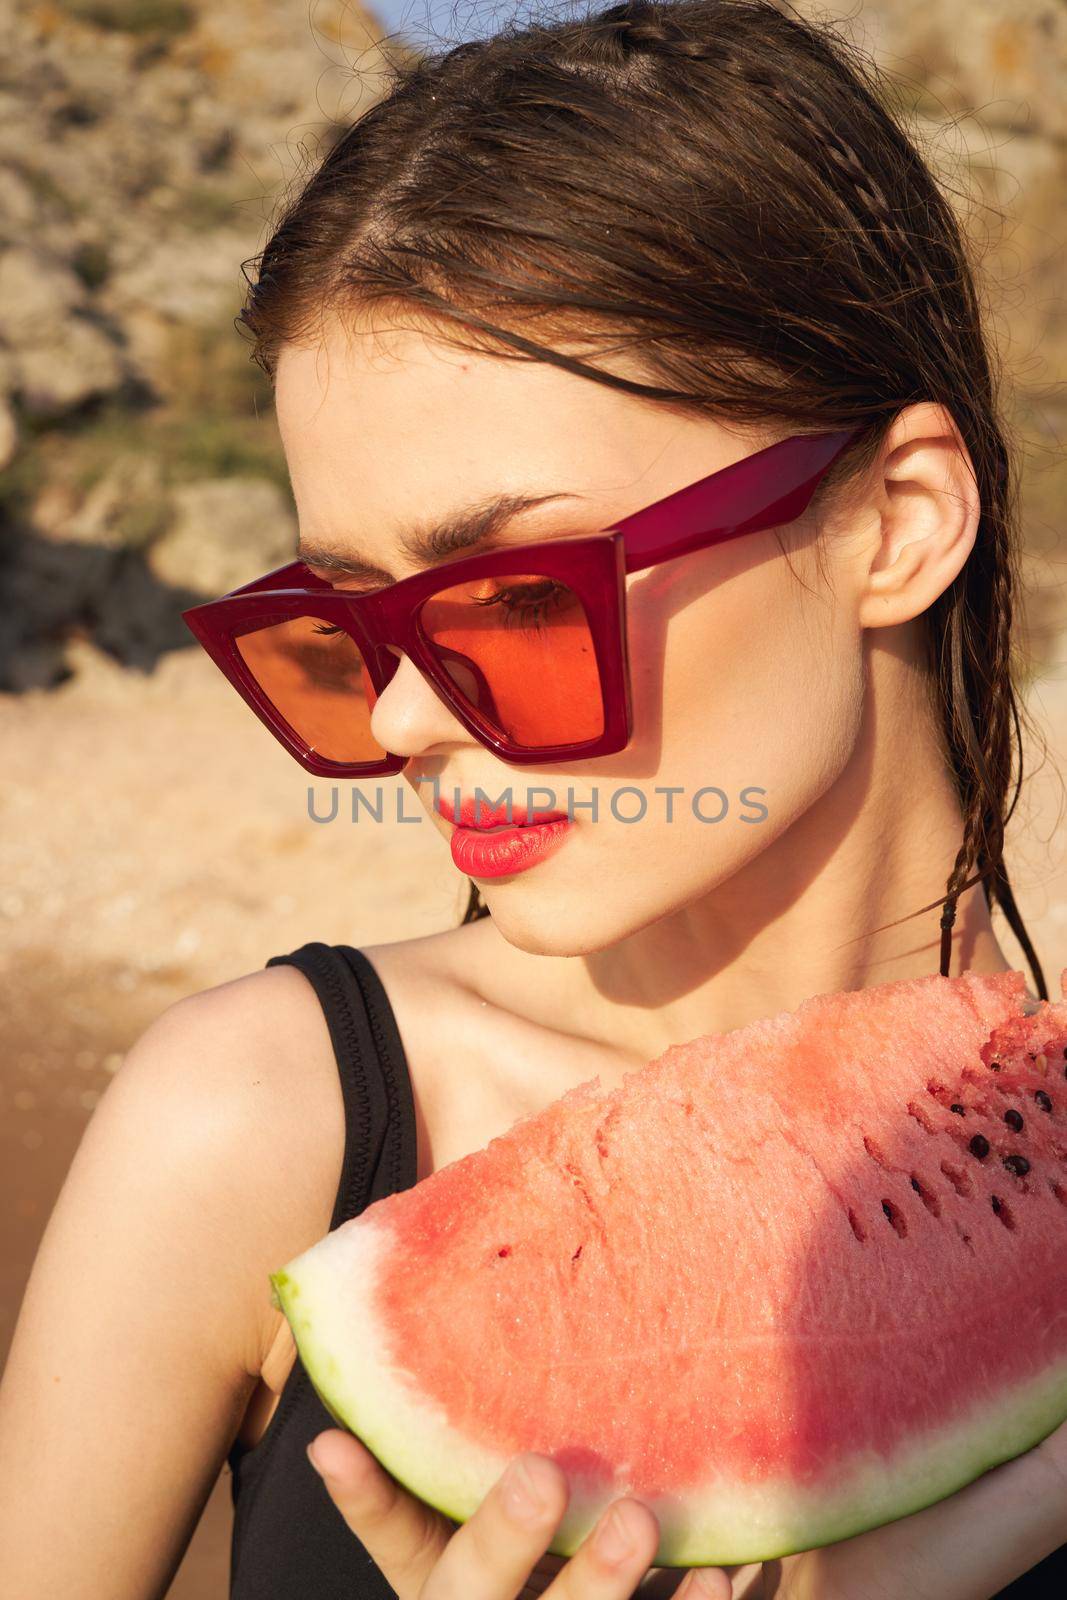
(757, 682)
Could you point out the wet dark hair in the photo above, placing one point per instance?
(719, 188)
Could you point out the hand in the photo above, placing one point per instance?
(967, 1547)
(499, 1553)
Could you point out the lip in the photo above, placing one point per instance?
(501, 851)
(487, 842)
(481, 816)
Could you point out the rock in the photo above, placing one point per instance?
(73, 361)
(59, 353)
(55, 591)
(190, 277)
(140, 168)
(17, 207)
(54, 505)
(103, 516)
(225, 532)
(1005, 61)
(35, 289)
(9, 433)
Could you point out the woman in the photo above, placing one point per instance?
(548, 282)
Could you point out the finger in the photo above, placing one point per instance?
(402, 1535)
(616, 1556)
(611, 1561)
(491, 1556)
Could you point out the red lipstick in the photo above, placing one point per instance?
(493, 841)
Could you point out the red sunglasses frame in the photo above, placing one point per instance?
(767, 489)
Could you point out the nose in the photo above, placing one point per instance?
(409, 717)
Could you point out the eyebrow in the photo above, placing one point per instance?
(427, 543)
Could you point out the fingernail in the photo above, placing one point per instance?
(522, 1490)
(311, 1458)
(613, 1537)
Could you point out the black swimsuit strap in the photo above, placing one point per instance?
(374, 1078)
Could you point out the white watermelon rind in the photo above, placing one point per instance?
(411, 1436)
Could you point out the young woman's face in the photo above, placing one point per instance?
(746, 664)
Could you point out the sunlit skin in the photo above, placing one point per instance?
(751, 669)
(795, 671)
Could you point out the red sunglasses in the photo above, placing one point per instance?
(526, 646)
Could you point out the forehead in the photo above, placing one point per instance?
(395, 438)
(384, 424)
(386, 392)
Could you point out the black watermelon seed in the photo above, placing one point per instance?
(958, 1109)
(888, 1209)
(1017, 1164)
(917, 1186)
(1014, 1120)
(979, 1146)
(994, 1066)
(1043, 1099)
(994, 1200)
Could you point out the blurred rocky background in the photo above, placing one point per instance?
(153, 838)
(141, 145)
(141, 142)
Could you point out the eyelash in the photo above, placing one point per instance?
(528, 605)
(531, 610)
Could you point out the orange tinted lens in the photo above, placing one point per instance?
(316, 677)
(519, 649)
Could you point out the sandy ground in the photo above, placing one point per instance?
(154, 840)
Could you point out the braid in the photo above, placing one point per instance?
(818, 133)
(983, 818)
(973, 796)
(643, 26)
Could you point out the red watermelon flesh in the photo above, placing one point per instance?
(783, 1284)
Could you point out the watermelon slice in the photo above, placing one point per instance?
(783, 1284)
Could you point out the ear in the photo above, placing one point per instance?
(926, 498)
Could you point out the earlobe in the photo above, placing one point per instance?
(929, 510)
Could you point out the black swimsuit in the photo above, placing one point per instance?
(289, 1539)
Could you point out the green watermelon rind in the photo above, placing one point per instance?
(399, 1426)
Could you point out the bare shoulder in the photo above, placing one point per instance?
(250, 1063)
(249, 1066)
(235, 1090)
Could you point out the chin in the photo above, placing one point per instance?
(544, 924)
(575, 921)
